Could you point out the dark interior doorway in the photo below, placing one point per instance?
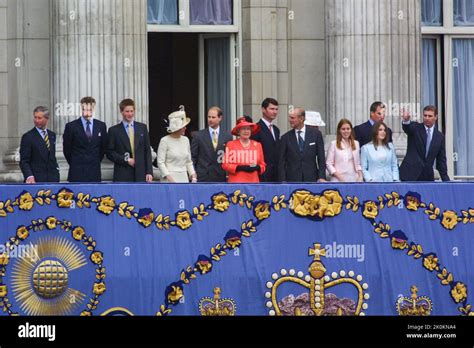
(173, 61)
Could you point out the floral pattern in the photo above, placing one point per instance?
(370, 210)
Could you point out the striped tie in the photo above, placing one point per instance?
(46, 139)
(215, 140)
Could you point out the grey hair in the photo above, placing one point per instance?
(42, 109)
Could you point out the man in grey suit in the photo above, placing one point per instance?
(208, 148)
(129, 147)
(301, 157)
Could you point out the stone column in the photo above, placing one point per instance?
(284, 55)
(264, 55)
(24, 75)
(373, 53)
(99, 50)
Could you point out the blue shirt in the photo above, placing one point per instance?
(84, 124)
(126, 124)
(40, 131)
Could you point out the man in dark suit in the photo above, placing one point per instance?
(85, 144)
(425, 145)
(363, 132)
(208, 148)
(269, 137)
(38, 151)
(129, 147)
(302, 156)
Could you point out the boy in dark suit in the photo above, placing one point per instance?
(129, 147)
(363, 132)
(302, 156)
(208, 148)
(425, 145)
(38, 151)
(85, 144)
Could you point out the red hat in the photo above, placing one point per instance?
(242, 122)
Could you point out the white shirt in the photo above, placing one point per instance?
(303, 133)
(268, 126)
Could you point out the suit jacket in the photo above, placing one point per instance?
(363, 133)
(35, 158)
(237, 155)
(84, 156)
(415, 166)
(119, 144)
(377, 170)
(309, 166)
(270, 147)
(205, 158)
(346, 161)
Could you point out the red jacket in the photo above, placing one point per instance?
(237, 155)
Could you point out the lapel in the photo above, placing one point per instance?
(208, 140)
(42, 144)
(423, 139)
(95, 130)
(294, 143)
(434, 138)
(308, 139)
(83, 131)
(266, 131)
(137, 135)
(124, 137)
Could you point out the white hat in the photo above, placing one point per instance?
(177, 120)
(313, 118)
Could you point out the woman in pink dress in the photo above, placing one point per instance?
(343, 160)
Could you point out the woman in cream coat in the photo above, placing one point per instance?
(379, 160)
(174, 152)
(343, 160)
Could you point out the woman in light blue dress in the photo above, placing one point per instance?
(378, 158)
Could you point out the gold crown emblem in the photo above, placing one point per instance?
(317, 282)
(414, 306)
(217, 306)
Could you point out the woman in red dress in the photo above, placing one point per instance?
(243, 159)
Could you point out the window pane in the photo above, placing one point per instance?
(163, 12)
(211, 12)
(429, 73)
(463, 100)
(464, 12)
(218, 77)
(432, 13)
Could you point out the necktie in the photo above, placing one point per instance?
(300, 141)
(214, 139)
(131, 135)
(428, 141)
(46, 139)
(88, 130)
(270, 127)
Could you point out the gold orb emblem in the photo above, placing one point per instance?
(50, 279)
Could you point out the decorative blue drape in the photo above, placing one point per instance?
(260, 249)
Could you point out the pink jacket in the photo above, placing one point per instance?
(340, 160)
